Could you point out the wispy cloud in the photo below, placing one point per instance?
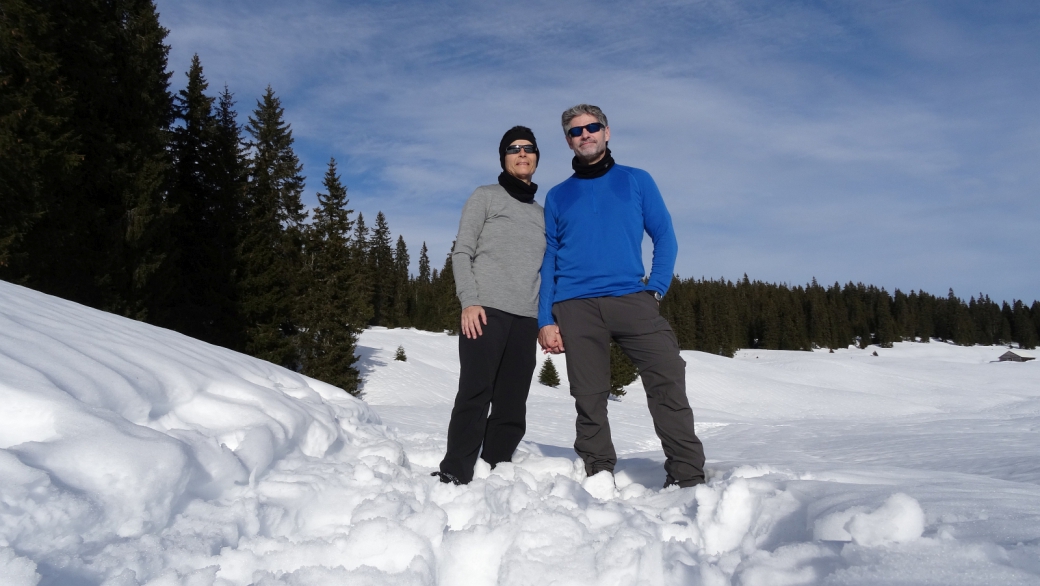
(894, 143)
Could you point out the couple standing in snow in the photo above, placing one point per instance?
(570, 276)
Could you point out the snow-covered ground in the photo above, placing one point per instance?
(133, 455)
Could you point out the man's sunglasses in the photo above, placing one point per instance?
(515, 148)
(593, 128)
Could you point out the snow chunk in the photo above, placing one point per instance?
(601, 485)
(899, 520)
(724, 514)
(15, 570)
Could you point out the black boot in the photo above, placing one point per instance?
(669, 481)
(447, 478)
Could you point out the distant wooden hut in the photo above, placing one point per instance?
(1010, 356)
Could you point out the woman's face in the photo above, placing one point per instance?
(522, 164)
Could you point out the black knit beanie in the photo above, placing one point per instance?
(516, 133)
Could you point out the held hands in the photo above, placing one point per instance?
(550, 340)
(472, 317)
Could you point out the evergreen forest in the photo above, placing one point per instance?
(123, 194)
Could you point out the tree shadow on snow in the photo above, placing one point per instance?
(367, 362)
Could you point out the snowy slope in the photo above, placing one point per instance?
(133, 455)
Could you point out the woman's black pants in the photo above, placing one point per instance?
(496, 370)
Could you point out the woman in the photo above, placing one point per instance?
(497, 256)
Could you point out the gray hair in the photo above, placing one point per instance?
(575, 111)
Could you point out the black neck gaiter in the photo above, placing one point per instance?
(598, 169)
(522, 192)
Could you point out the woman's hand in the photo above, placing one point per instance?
(550, 339)
(472, 316)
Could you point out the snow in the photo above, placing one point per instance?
(131, 455)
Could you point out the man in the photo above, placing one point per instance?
(592, 291)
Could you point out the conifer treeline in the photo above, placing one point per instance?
(720, 316)
(120, 195)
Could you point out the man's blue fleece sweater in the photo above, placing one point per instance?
(594, 235)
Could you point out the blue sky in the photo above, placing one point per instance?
(893, 143)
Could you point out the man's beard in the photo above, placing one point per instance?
(601, 149)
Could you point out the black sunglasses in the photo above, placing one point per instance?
(515, 148)
(593, 128)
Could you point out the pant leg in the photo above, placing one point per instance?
(648, 340)
(587, 342)
(673, 422)
(508, 419)
(592, 433)
(479, 360)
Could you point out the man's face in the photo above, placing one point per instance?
(589, 148)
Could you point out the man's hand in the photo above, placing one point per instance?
(472, 316)
(550, 339)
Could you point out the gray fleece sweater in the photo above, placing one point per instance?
(498, 252)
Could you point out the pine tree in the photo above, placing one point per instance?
(622, 371)
(400, 355)
(841, 334)
(360, 253)
(958, 323)
(436, 308)
(229, 159)
(707, 331)
(230, 177)
(401, 293)
(819, 318)
(449, 316)
(1034, 313)
(105, 241)
(1005, 327)
(1022, 327)
(201, 301)
(424, 264)
(421, 302)
(728, 320)
(360, 240)
(885, 325)
(901, 314)
(853, 296)
(333, 308)
(987, 319)
(679, 308)
(38, 146)
(925, 328)
(548, 375)
(381, 271)
(271, 249)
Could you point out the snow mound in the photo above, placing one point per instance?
(111, 427)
